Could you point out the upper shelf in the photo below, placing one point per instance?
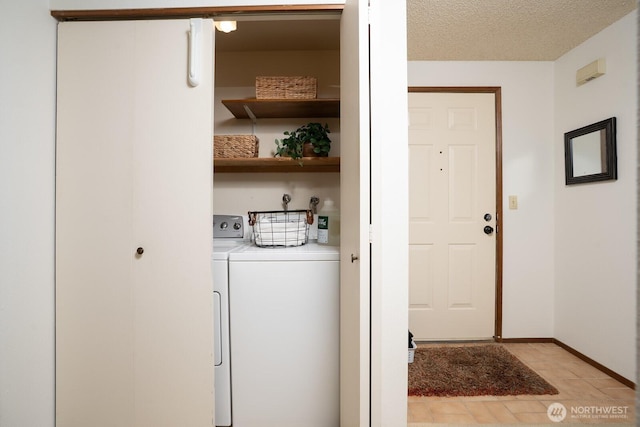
(253, 108)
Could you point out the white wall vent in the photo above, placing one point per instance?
(591, 71)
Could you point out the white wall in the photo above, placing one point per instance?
(595, 242)
(389, 206)
(527, 168)
(27, 126)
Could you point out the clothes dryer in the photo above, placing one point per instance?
(228, 236)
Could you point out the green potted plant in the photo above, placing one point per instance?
(308, 140)
(317, 136)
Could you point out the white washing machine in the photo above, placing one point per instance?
(285, 335)
(228, 236)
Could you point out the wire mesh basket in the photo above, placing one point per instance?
(280, 228)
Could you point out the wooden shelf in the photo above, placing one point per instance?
(253, 109)
(276, 164)
(282, 108)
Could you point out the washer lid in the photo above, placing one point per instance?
(223, 247)
(308, 252)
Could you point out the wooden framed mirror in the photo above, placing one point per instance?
(590, 153)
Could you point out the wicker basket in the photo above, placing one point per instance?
(286, 87)
(230, 146)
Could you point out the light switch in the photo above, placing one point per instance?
(513, 202)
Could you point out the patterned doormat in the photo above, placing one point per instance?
(474, 370)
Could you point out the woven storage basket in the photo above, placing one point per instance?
(299, 87)
(230, 146)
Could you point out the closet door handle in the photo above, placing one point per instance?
(140, 250)
(195, 34)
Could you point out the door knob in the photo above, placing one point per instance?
(488, 229)
(140, 251)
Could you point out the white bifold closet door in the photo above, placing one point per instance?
(355, 200)
(134, 331)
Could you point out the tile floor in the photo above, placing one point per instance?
(583, 391)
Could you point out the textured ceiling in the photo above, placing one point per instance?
(452, 30)
(508, 30)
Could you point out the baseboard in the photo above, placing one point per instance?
(481, 341)
(596, 365)
(526, 340)
(576, 353)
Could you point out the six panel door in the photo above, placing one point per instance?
(452, 205)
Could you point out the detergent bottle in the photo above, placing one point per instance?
(329, 224)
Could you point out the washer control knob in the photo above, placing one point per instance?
(224, 225)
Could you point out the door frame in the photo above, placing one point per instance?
(497, 91)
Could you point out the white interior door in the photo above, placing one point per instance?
(355, 208)
(134, 147)
(452, 181)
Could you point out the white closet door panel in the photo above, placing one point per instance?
(172, 221)
(134, 333)
(94, 176)
(355, 198)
